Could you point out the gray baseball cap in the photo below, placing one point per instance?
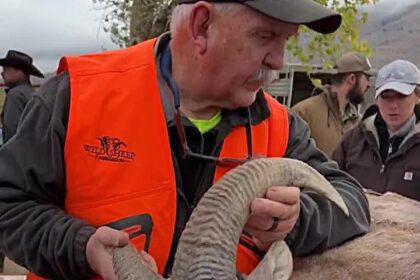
(399, 75)
(308, 12)
(352, 62)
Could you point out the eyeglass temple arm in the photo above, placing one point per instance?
(181, 132)
(249, 134)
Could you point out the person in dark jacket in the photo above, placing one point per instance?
(202, 81)
(383, 151)
(17, 67)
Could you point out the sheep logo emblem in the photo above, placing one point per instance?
(110, 149)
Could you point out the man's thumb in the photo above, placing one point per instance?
(112, 237)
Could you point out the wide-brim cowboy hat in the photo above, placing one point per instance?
(21, 61)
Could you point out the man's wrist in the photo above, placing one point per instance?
(80, 258)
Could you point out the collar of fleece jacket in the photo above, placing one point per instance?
(374, 123)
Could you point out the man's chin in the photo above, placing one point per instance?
(243, 101)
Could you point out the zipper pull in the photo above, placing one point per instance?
(382, 169)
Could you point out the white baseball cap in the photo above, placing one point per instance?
(399, 75)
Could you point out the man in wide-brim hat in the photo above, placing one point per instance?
(17, 67)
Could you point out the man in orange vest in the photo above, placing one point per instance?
(122, 145)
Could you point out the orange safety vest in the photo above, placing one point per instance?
(119, 169)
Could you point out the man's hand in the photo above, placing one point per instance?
(280, 203)
(99, 249)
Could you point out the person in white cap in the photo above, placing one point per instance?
(383, 152)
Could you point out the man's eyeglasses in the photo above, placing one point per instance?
(228, 162)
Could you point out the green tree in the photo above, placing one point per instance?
(328, 48)
(130, 21)
(116, 19)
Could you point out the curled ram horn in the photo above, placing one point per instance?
(207, 247)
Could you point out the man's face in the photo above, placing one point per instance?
(356, 94)
(10, 75)
(396, 108)
(244, 47)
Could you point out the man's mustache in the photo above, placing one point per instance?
(265, 76)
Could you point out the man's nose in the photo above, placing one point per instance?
(275, 59)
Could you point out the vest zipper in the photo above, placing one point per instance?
(202, 168)
(376, 153)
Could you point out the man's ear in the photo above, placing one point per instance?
(199, 21)
(351, 79)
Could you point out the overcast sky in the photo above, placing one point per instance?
(49, 29)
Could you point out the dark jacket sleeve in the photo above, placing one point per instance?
(34, 230)
(339, 154)
(13, 108)
(321, 225)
